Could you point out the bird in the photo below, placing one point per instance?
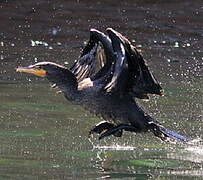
(107, 79)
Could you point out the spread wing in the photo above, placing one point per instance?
(121, 68)
(96, 57)
(130, 72)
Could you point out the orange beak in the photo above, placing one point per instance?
(31, 70)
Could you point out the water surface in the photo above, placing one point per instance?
(45, 137)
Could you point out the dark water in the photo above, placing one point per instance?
(42, 136)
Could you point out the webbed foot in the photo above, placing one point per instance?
(117, 130)
(104, 126)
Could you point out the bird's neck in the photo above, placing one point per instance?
(67, 83)
(72, 95)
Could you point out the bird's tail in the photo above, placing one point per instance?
(167, 135)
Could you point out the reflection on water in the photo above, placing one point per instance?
(45, 137)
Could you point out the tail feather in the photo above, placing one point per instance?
(168, 135)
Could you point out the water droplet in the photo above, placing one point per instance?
(33, 43)
(176, 44)
(44, 43)
(35, 59)
(188, 44)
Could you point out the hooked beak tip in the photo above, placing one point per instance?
(19, 69)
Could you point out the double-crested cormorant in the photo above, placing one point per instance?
(106, 79)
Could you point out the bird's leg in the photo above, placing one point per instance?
(117, 129)
(105, 126)
(101, 127)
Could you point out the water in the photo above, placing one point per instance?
(45, 137)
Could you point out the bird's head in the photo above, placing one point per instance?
(43, 69)
(58, 75)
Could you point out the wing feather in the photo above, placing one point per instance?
(121, 69)
(97, 52)
(139, 81)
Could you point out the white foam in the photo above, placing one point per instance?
(115, 147)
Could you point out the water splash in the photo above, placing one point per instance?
(195, 146)
(115, 147)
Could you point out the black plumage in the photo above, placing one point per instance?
(106, 79)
